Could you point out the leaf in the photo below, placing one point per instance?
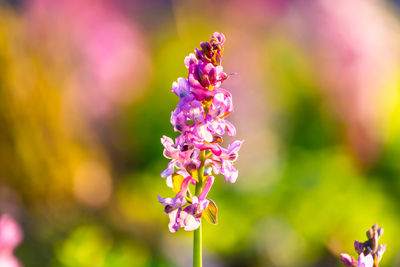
(211, 212)
(177, 182)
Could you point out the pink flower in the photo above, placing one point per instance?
(190, 217)
(224, 163)
(212, 52)
(204, 75)
(173, 206)
(10, 237)
(200, 119)
(8, 260)
(10, 233)
(183, 157)
(188, 108)
(370, 252)
(221, 105)
(348, 259)
(365, 261)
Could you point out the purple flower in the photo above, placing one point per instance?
(203, 75)
(348, 260)
(181, 88)
(188, 108)
(182, 156)
(173, 206)
(359, 247)
(221, 105)
(212, 52)
(200, 120)
(218, 126)
(190, 217)
(224, 163)
(370, 252)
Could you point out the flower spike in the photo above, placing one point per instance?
(370, 252)
(200, 120)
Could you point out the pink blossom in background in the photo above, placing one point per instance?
(352, 64)
(10, 237)
(355, 54)
(10, 233)
(106, 52)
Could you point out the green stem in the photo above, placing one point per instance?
(197, 249)
(197, 261)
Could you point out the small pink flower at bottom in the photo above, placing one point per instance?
(190, 217)
(365, 261)
(10, 233)
(10, 237)
(173, 206)
(348, 259)
(9, 260)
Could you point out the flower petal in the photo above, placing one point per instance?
(206, 189)
(347, 259)
(169, 170)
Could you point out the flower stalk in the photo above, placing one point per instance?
(197, 247)
(197, 238)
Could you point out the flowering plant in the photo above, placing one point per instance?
(196, 153)
(370, 252)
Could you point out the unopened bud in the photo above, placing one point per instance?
(380, 232)
(206, 48)
(199, 53)
(370, 234)
(359, 247)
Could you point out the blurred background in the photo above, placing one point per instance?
(85, 98)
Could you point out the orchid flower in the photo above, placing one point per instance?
(173, 206)
(190, 217)
(200, 120)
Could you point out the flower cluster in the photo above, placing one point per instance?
(370, 252)
(196, 153)
(10, 237)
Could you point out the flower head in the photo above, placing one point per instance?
(212, 51)
(200, 120)
(370, 252)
